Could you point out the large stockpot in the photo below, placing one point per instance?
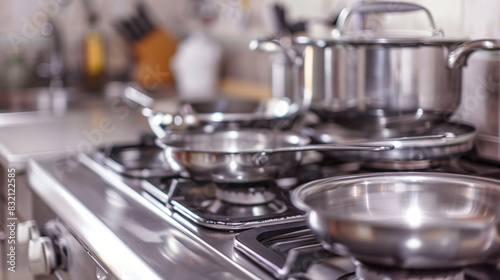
(378, 79)
(409, 220)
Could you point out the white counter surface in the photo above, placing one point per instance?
(49, 135)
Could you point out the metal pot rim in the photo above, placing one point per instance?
(164, 142)
(301, 193)
(383, 41)
(469, 133)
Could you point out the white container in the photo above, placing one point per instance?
(196, 67)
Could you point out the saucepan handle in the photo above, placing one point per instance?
(159, 122)
(265, 44)
(284, 45)
(137, 95)
(458, 57)
(262, 157)
(445, 136)
(274, 45)
(383, 7)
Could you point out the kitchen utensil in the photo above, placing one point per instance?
(245, 155)
(281, 22)
(374, 80)
(409, 220)
(136, 161)
(153, 48)
(196, 65)
(285, 68)
(276, 113)
(154, 53)
(144, 17)
(414, 151)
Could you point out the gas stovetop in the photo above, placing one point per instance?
(228, 207)
(291, 250)
(262, 225)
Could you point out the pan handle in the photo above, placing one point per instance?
(262, 157)
(274, 45)
(160, 123)
(444, 136)
(136, 95)
(458, 57)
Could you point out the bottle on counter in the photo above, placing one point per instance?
(196, 67)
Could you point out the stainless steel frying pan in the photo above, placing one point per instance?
(244, 155)
(411, 152)
(220, 113)
(408, 220)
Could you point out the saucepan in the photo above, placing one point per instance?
(244, 155)
(220, 113)
(407, 220)
(375, 78)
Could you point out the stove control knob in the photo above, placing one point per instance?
(42, 256)
(27, 231)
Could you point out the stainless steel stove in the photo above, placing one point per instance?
(167, 227)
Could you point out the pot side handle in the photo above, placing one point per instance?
(273, 45)
(458, 56)
(160, 123)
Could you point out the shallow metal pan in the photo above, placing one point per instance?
(216, 113)
(407, 220)
(445, 140)
(244, 155)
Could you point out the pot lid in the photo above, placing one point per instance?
(348, 32)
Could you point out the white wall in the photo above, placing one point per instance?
(16, 16)
(473, 18)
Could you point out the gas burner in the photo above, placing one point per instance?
(473, 165)
(406, 165)
(219, 207)
(245, 194)
(244, 200)
(285, 250)
(226, 207)
(291, 251)
(136, 161)
(365, 272)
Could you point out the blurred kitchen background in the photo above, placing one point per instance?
(86, 50)
(230, 23)
(92, 43)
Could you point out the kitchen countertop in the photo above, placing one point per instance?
(118, 226)
(47, 134)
